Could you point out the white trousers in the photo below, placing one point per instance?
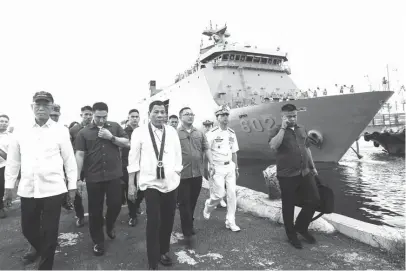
(223, 183)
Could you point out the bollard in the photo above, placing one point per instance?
(272, 183)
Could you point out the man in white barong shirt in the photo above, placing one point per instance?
(41, 150)
(158, 180)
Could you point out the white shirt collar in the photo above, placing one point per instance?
(49, 123)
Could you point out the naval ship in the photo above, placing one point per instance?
(255, 83)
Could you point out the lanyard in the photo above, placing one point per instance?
(160, 174)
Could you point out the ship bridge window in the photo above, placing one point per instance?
(231, 57)
(263, 60)
(237, 57)
(225, 57)
(270, 61)
(256, 59)
(242, 58)
(249, 58)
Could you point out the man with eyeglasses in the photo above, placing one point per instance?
(41, 150)
(194, 146)
(223, 145)
(98, 155)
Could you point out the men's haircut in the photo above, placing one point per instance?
(86, 107)
(73, 124)
(100, 106)
(154, 103)
(4, 116)
(288, 108)
(132, 111)
(183, 109)
(173, 117)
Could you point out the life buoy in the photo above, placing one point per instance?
(315, 138)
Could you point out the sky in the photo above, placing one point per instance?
(89, 51)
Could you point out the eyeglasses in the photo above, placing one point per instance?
(189, 115)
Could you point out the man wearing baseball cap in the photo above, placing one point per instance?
(223, 145)
(41, 150)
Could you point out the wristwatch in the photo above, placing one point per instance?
(113, 139)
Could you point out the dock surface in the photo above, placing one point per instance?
(261, 244)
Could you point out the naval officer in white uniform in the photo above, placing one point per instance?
(224, 146)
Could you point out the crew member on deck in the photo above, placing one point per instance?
(223, 145)
(295, 172)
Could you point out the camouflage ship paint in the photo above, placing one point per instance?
(255, 84)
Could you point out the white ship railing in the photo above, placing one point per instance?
(254, 66)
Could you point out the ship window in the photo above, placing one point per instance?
(256, 59)
(263, 60)
(248, 59)
(275, 61)
(231, 57)
(237, 57)
(270, 61)
(225, 57)
(242, 58)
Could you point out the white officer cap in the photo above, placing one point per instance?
(223, 109)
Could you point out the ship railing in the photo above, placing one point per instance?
(394, 119)
(245, 65)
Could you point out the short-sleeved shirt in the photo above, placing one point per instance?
(74, 132)
(125, 151)
(102, 160)
(193, 144)
(291, 156)
(222, 143)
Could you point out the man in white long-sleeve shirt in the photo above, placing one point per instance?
(156, 157)
(41, 151)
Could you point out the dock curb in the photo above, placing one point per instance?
(383, 237)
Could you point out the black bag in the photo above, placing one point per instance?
(326, 205)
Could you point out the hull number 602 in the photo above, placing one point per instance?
(264, 123)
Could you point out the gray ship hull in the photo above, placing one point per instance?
(340, 119)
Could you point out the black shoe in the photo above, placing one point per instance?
(132, 222)
(111, 233)
(308, 237)
(165, 260)
(30, 256)
(155, 267)
(98, 250)
(80, 222)
(295, 242)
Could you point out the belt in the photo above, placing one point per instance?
(222, 163)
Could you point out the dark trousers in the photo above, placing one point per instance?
(188, 192)
(40, 224)
(161, 208)
(132, 206)
(96, 193)
(2, 182)
(293, 188)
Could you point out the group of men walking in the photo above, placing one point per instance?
(157, 162)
